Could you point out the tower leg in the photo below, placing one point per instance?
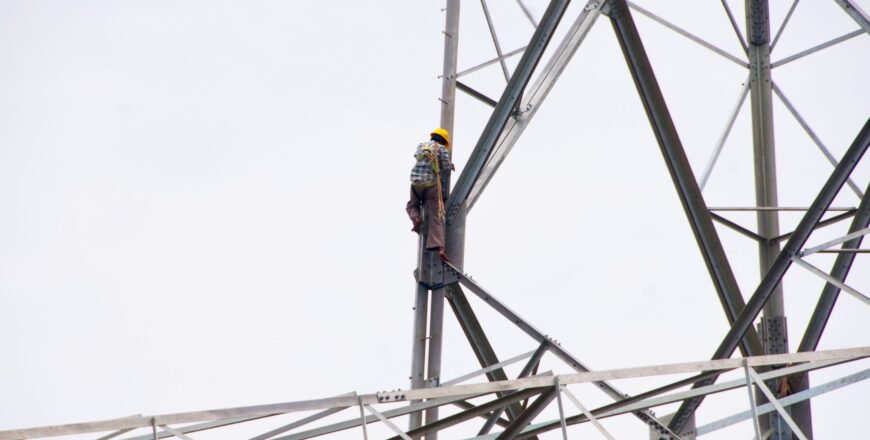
(418, 349)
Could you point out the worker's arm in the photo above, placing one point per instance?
(446, 168)
(444, 161)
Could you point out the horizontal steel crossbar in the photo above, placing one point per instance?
(444, 395)
(601, 413)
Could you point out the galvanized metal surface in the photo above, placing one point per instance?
(815, 49)
(556, 349)
(831, 280)
(795, 429)
(688, 35)
(766, 193)
(512, 114)
(536, 95)
(504, 68)
(856, 13)
(506, 104)
(680, 170)
(650, 402)
(812, 135)
(440, 396)
(756, 424)
(717, 150)
(478, 340)
(801, 233)
(793, 400)
(842, 266)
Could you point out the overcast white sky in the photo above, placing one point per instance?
(203, 202)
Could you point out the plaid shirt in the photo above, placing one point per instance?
(422, 171)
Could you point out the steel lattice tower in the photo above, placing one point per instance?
(775, 377)
(512, 112)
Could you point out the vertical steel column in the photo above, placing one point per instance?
(448, 74)
(799, 237)
(761, 98)
(448, 109)
(679, 168)
(773, 326)
(418, 349)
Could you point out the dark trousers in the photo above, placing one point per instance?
(428, 197)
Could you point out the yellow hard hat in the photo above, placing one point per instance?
(443, 133)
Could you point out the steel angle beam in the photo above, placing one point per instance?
(688, 35)
(556, 349)
(821, 224)
(856, 13)
(418, 345)
(586, 413)
(527, 13)
(722, 387)
(544, 381)
(201, 427)
(735, 27)
(651, 400)
(558, 388)
(472, 413)
(795, 429)
(476, 95)
(783, 261)
(766, 193)
(535, 96)
(527, 370)
(437, 396)
(680, 170)
(506, 105)
(465, 405)
(752, 403)
(298, 423)
(490, 62)
(174, 432)
(485, 370)
(842, 265)
(627, 405)
(387, 422)
(528, 415)
(821, 274)
(117, 433)
(793, 399)
(221, 417)
(812, 134)
(353, 423)
(477, 339)
(815, 49)
(784, 24)
(824, 246)
(489, 23)
(736, 227)
(720, 143)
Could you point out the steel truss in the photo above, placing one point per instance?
(507, 407)
(545, 387)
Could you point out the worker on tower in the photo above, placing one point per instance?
(433, 166)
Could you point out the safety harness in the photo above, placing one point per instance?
(428, 151)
